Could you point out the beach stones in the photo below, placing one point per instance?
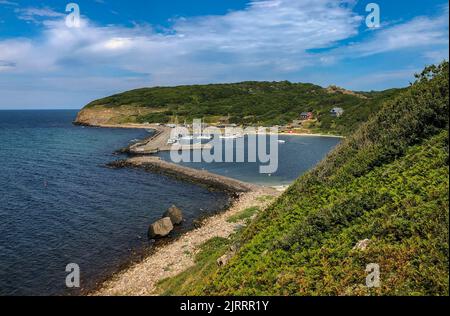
(175, 215)
(160, 228)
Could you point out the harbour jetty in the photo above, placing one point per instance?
(211, 180)
(159, 142)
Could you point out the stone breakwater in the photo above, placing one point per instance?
(211, 180)
(158, 142)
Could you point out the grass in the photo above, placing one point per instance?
(245, 214)
(265, 198)
(205, 266)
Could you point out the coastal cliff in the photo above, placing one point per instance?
(95, 117)
(104, 115)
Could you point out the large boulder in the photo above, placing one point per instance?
(160, 228)
(175, 215)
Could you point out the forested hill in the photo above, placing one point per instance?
(380, 198)
(247, 103)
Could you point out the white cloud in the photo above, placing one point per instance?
(387, 78)
(4, 66)
(36, 15)
(270, 35)
(424, 34)
(269, 40)
(420, 32)
(437, 55)
(10, 3)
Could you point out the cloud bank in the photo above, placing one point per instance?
(269, 40)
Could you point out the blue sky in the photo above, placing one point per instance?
(121, 45)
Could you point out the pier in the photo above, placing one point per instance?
(211, 180)
(159, 142)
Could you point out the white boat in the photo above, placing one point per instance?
(203, 137)
(228, 137)
(231, 136)
(282, 141)
(172, 141)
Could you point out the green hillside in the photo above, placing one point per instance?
(388, 183)
(248, 103)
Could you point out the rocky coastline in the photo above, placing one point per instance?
(201, 177)
(141, 278)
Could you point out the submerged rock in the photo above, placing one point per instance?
(175, 215)
(160, 228)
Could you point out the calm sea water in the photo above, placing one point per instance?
(296, 155)
(60, 205)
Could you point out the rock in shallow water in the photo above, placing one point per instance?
(175, 215)
(160, 228)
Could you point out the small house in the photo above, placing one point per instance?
(304, 116)
(337, 112)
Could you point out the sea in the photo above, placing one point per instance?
(61, 205)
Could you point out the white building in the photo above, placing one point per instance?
(337, 112)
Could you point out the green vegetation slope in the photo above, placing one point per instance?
(248, 103)
(387, 183)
